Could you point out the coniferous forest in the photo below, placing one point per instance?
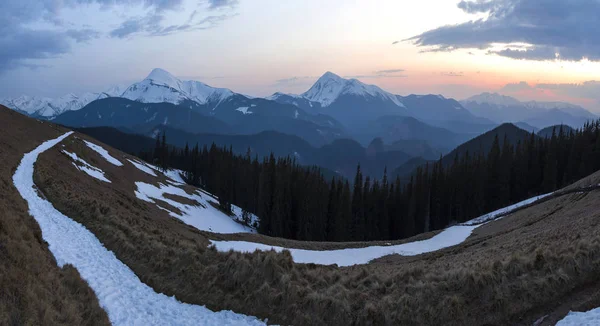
(297, 202)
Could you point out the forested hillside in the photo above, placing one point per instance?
(297, 202)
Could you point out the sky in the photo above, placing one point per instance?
(531, 49)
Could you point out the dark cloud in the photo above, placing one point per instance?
(551, 29)
(20, 42)
(20, 45)
(151, 25)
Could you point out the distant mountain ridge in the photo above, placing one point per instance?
(43, 107)
(500, 108)
(355, 103)
(258, 115)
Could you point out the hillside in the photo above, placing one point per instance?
(393, 129)
(338, 158)
(538, 258)
(547, 132)
(483, 143)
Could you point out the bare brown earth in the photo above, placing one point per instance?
(33, 289)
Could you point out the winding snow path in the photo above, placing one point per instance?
(357, 256)
(449, 237)
(125, 298)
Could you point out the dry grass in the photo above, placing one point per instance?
(33, 289)
(533, 263)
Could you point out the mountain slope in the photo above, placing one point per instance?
(540, 260)
(35, 289)
(120, 112)
(483, 143)
(396, 128)
(341, 156)
(547, 132)
(230, 119)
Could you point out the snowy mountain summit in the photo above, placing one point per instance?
(161, 86)
(331, 86)
(43, 107)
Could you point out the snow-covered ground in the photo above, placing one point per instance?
(451, 236)
(493, 215)
(91, 170)
(142, 167)
(588, 318)
(203, 216)
(120, 292)
(356, 256)
(103, 153)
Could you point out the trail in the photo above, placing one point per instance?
(120, 292)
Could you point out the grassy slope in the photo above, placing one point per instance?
(513, 271)
(34, 290)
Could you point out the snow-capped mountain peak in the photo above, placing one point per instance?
(164, 78)
(162, 86)
(331, 86)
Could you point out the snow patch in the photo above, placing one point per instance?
(152, 117)
(84, 166)
(449, 237)
(203, 216)
(120, 292)
(492, 216)
(357, 256)
(244, 109)
(142, 167)
(103, 153)
(588, 318)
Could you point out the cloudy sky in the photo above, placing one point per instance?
(531, 49)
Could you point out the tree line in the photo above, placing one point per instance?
(297, 202)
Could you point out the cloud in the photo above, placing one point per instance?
(34, 29)
(217, 4)
(453, 74)
(395, 42)
(296, 80)
(550, 30)
(377, 76)
(517, 87)
(389, 71)
(20, 45)
(151, 25)
(386, 73)
(83, 35)
(589, 89)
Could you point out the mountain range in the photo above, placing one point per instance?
(356, 104)
(333, 108)
(500, 108)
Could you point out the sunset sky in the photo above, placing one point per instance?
(531, 49)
